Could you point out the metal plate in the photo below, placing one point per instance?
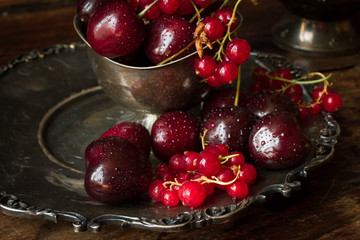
(52, 108)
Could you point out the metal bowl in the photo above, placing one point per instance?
(150, 89)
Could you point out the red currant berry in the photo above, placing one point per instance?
(304, 112)
(224, 150)
(237, 160)
(134, 3)
(239, 189)
(224, 15)
(259, 75)
(164, 172)
(170, 197)
(176, 163)
(209, 187)
(226, 72)
(156, 189)
(213, 81)
(256, 86)
(192, 193)
(283, 73)
(314, 108)
(185, 8)
(214, 28)
(205, 67)
(248, 173)
(294, 90)
(213, 149)
(320, 93)
(332, 102)
(224, 175)
(238, 51)
(208, 164)
(190, 160)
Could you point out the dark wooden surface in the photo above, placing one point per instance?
(327, 207)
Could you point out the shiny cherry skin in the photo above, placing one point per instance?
(120, 173)
(167, 35)
(86, 8)
(134, 132)
(115, 30)
(277, 142)
(230, 126)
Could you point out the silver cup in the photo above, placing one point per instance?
(150, 89)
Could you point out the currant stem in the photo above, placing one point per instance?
(202, 137)
(238, 83)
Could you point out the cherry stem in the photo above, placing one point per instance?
(176, 54)
(142, 13)
(238, 83)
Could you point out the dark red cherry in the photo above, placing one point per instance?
(134, 132)
(86, 8)
(173, 133)
(267, 101)
(230, 126)
(121, 172)
(166, 36)
(277, 142)
(115, 30)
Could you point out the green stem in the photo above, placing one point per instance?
(142, 13)
(238, 83)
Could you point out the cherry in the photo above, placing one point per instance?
(134, 132)
(267, 101)
(214, 28)
(115, 30)
(238, 51)
(202, 3)
(224, 15)
(221, 98)
(332, 102)
(230, 126)
(205, 67)
(169, 6)
(277, 142)
(239, 189)
(153, 12)
(167, 35)
(173, 133)
(226, 72)
(120, 173)
(192, 193)
(86, 8)
(185, 8)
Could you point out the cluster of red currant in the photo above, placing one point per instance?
(222, 68)
(192, 176)
(282, 80)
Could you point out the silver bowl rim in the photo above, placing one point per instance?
(76, 24)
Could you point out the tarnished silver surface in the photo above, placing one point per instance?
(52, 107)
(150, 89)
(318, 28)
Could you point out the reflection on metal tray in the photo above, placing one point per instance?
(52, 108)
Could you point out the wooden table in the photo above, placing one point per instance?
(327, 206)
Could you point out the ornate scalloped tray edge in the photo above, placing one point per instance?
(13, 205)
